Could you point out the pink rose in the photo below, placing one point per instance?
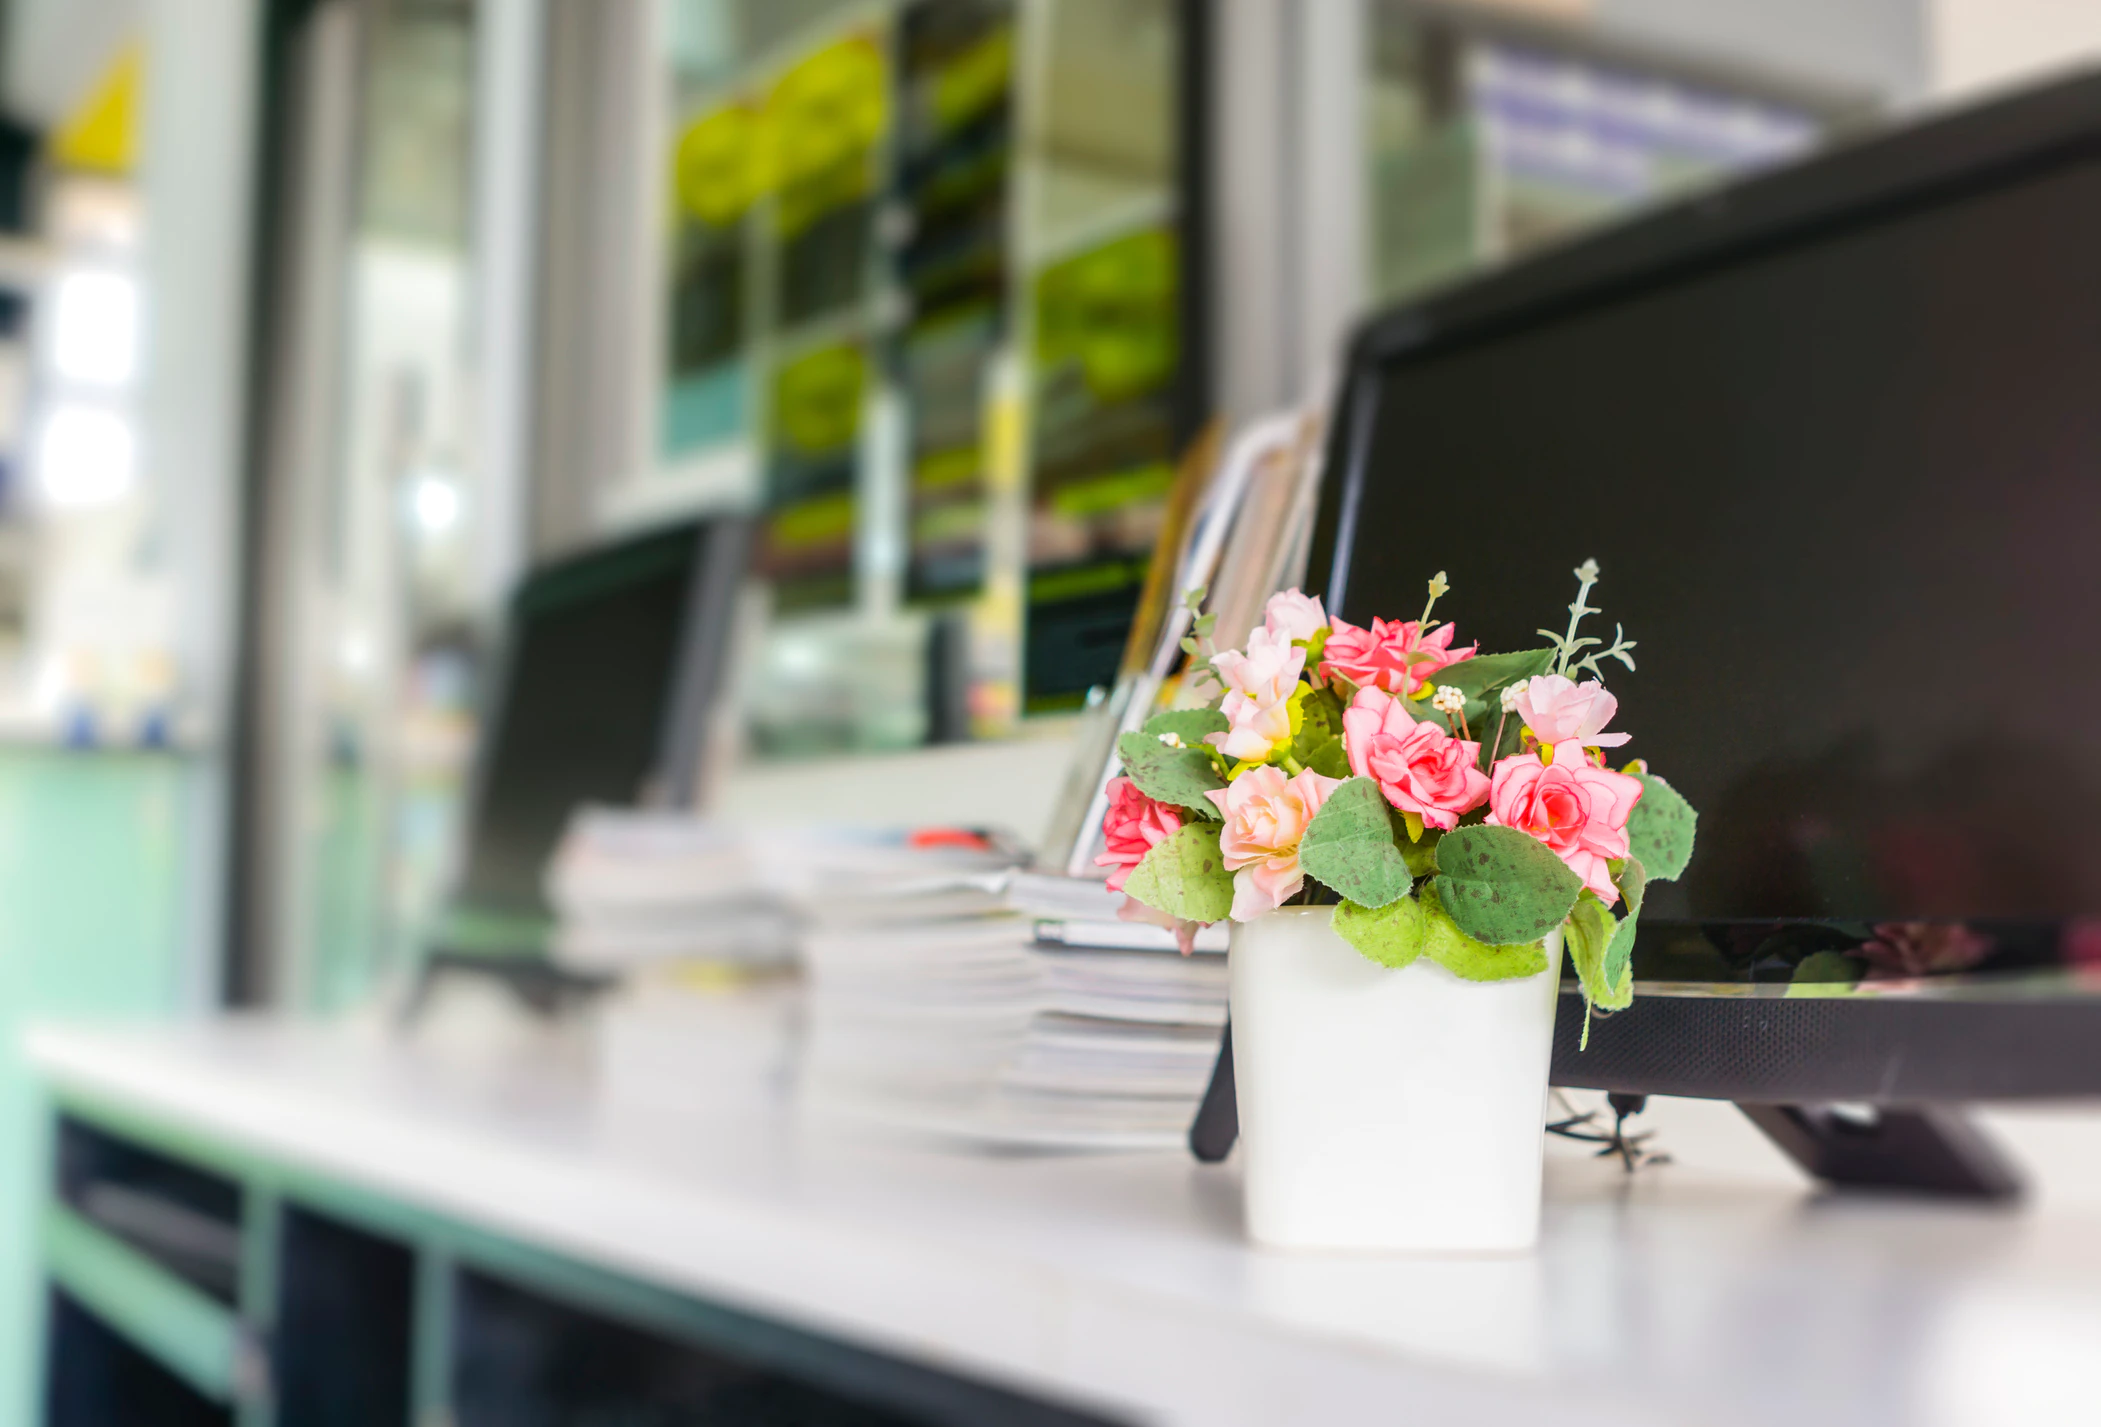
(1266, 815)
(1565, 714)
(1133, 826)
(1294, 615)
(1259, 686)
(1393, 655)
(1418, 766)
(1576, 808)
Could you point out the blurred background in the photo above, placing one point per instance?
(321, 321)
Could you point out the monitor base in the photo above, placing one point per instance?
(1919, 1149)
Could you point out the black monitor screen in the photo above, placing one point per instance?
(1845, 491)
(580, 716)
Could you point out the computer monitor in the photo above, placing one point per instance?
(1833, 435)
(611, 660)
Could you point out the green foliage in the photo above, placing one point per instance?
(1351, 846)
(1185, 876)
(1628, 876)
(1483, 677)
(1447, 944)
(1391, 935)
(1589, 934)
(1502, 886)
(1421, 856)
(1318, 743)
(1476, 676)
(1660, 832)
(1189, 725)
(1172, 775)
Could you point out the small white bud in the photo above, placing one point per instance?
(1510, 694)
(1448, 700)
(1173, 740)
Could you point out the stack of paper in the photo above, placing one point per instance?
(996, 1029)
(632, 890)
(638, 889)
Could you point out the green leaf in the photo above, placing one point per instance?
(1445, 943)
(1189, 725)
(1421, 857)
(1589, 934)
(1481, 679)
(1660, 832)
(1318, 744)
(1172, 775)
(1502, 886)
(1628, 876)
(1351, 846)
(1475, 677)
(1185, 876)
(1391, 935)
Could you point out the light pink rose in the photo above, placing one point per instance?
(1266, 815)
(1259, 684)
(1577, 809)
(1393, 655)
(1418, 766)
(1133, 826)
(1294, 615)
(1568, 716)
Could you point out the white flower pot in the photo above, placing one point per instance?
(1381, 1109)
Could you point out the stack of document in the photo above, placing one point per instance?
(1042, 1021)
(634, 889)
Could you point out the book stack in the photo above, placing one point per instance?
(1016, 1011)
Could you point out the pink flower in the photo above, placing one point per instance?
(1294, 615)
(1259, 686)
(1563, 714)
(1266, 815)
(1133, 826)
(1576, 808)
(1393, 655)
(1418, 766)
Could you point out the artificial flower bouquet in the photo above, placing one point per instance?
(1458, 804)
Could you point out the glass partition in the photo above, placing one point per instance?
(1487, 137)
(920, 309)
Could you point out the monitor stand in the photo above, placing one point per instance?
(1921, 1149)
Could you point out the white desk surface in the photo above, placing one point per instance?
(1122, 1281)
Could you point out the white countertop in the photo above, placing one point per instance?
(1122, 1281)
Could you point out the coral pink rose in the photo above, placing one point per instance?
(1393, 655)
(1259, 686)
(1562, 713)
(1418, 766)
(1294, 615)
(1576, 808)
(1266, 815)
(1133, 826)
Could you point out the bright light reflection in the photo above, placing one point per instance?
(435, 501)
(95, 328)
(85, 458)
